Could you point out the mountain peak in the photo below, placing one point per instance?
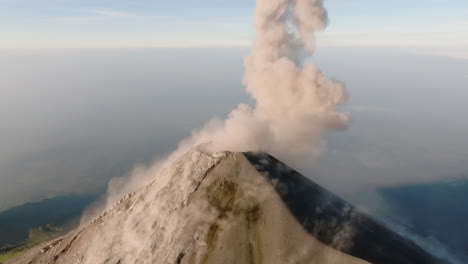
(229, 207)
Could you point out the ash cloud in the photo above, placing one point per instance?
(294, 102)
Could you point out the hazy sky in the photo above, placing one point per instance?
(70, 119)
(424, 26)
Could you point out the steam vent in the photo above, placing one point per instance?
(245, 208)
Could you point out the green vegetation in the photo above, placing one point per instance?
(62, 211)
(36, 236)
(30, 224)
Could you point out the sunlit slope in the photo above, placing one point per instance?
(229, 208)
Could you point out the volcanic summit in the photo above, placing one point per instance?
(229, 207)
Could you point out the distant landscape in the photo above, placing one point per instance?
(25, 226)
(433, 210)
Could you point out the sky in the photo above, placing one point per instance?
(70, 120)
(437, 27)
(77, 110)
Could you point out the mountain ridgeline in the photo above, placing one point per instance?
(230, 207)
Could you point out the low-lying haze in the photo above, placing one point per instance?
(72, 119)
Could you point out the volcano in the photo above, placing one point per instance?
(230, 207)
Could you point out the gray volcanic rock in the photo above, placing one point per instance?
(229, 208)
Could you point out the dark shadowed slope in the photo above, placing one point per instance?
(335, 222)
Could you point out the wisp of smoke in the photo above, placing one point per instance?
(294, 102)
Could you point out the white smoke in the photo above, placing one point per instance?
(294, 102)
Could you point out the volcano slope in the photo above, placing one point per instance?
(244, 208)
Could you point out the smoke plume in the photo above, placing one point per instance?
(294, 102)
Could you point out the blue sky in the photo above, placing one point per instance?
(426, 26)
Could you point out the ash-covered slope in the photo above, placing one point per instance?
(229, 208)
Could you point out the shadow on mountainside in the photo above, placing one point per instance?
(335, 222)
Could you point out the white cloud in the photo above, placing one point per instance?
(448, 52)
(111, 13)
(394, 37)
(99, 14)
